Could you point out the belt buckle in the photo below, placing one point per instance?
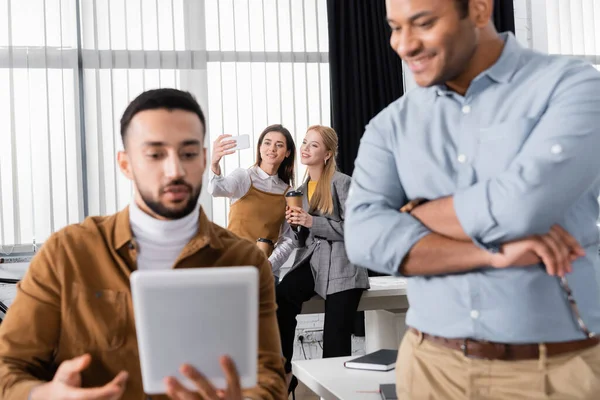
(499, 355)
(463, 347)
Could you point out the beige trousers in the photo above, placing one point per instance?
(428, 371)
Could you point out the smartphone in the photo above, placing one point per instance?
(242, 142)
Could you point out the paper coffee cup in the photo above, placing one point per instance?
(293, 198)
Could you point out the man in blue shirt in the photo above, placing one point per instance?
(482, 185)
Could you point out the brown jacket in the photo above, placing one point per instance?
(76, 299)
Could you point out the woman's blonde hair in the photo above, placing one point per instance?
(322, 199)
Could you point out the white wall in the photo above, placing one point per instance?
(523, 22)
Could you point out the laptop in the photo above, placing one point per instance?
(195, 316)
(388, 391)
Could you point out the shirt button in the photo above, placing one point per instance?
(474, 314)
(462, 158)
(466, 109)
(556, 149)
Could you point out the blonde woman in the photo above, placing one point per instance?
(321, 265)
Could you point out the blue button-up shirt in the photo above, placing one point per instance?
(520, 151)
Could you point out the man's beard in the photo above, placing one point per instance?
(159, 209)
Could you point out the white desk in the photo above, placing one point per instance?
(386, 293)
(10, 271)
(13, 270)
(385, 305)
(330, 380)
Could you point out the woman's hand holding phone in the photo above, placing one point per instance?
(221, 147)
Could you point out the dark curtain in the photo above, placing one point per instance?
(504, 15)
(365, 73)
(365, 76)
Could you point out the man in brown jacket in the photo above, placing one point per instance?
(70, 332)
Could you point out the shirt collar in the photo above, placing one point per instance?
(502, 70)
(205, 236)
(147, 226)
(507, 65)
(264, 176)
(122, 233)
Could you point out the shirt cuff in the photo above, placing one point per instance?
(275, 266)
(320, 227)
(317, 225)
(472, 206)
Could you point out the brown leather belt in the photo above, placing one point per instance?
(508, 352)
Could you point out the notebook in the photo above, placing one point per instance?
(388, 391)
(380, 360)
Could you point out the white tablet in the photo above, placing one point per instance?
(195, 316)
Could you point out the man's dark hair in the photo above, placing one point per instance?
(463, 8)
(169, 99)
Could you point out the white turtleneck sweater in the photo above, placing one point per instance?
(160, 242)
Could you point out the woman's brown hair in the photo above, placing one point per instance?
(286, 170)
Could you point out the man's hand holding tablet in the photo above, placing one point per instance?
(206, 390)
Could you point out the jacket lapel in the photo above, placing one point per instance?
(304, 190)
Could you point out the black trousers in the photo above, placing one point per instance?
(297, 287)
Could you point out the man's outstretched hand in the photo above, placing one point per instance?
(66, 384)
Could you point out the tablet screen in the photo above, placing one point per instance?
(195, 316)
